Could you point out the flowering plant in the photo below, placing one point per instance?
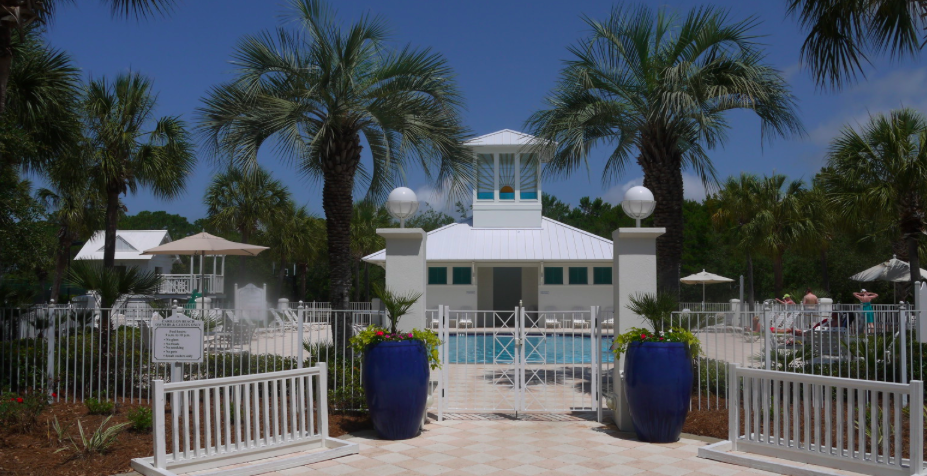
(374, 335)
(674, 334)
(397, 305)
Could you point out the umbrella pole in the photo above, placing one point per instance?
(703, 294)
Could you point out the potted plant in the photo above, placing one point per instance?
(658, 369)
(395, 369)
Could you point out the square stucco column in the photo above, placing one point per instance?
(635, 268)
(406, 270)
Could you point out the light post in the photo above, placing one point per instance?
(638, 203)
(401, 204)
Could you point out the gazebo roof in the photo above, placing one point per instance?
(553, 241)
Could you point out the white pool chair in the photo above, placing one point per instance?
(580, 323)
(608, 323)
(551, 321)
(464, 322)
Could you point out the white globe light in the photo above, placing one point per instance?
(638, 203)
(401, 204)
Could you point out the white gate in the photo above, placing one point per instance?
(519, 361)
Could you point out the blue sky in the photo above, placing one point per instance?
(506, 54)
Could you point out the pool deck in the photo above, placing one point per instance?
(517, 447)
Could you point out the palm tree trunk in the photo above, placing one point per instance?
(825, 276)
(303, 269)
(663, 176)
(112, 219)
(777, 273)
(914, 259)
(366, 282)
(356, 280)
(64, 254)
(281, 277)
(750, 294)
(6, 63)
(338, 169)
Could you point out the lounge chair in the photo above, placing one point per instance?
(281, 323)
(550, 321)
(580, 322)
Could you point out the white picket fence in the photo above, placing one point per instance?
(849, 424)
(220, 422)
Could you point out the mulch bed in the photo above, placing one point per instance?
(34, 453)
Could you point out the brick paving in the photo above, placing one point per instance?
(518, 447)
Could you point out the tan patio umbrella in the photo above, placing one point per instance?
(704, 278)
(205, 244)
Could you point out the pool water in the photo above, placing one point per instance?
(539, 349)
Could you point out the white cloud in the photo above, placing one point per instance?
(900, 88)
(431, 198)
(691, 185)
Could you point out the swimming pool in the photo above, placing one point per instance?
(539, 349)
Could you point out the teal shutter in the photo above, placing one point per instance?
(462, 275)
(602, 275)
(437, 275)
(579, 275)
(553, 275)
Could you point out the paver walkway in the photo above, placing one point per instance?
(501, 447)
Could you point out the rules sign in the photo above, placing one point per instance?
(178, 339)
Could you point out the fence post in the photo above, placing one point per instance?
(300, 351)
(443, 359)
(323, 401)
(903, 323)
(596, 360)
(733, 405)
(767, 339)
(160, 457)
(50, 344)
(917, 426)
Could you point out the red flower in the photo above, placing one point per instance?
(20, 399)
(661, 338)
(54, 394)
(643, 336)
(379, 333)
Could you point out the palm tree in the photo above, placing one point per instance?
(880, 171)
(365, 220)
(312, 249)
(817, 239)
(779, 221)
(244, 201)
(843, 33)
(318, 89)
(655, 89)
(285, 238)
(43, 95)
(737, 206)
(76, 207)
(23, 15)
(128, 150)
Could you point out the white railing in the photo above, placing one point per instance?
(71, 352)
(185, 283)
(848, 424)
(227, 421)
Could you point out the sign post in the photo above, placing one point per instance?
(176, 340)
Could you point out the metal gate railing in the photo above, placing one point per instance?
(518, 361)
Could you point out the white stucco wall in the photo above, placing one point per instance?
(577, 297)
(459, 297)
(529, 288)
(406, 270)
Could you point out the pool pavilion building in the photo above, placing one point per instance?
(508, 253)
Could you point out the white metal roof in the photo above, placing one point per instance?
(503, 137)
(129, 244)
(554, 241)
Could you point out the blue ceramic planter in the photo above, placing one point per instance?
(395, 380)
(658, 381)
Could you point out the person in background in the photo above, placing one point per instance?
(786, 299)
(866, 297)
(810, 300)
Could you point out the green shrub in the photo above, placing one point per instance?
(141, 419)
(712, 377)
(97, 442)
(20, 412)
(99, 407)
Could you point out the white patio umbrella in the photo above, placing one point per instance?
(205, 244)
(893, 270)
(704, 278)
